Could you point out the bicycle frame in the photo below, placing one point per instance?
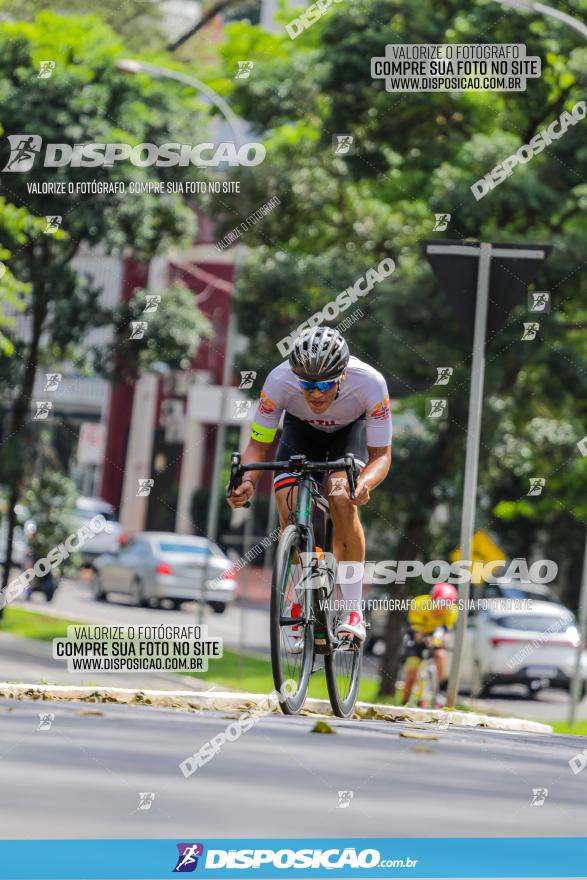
(303, 469)
(313, 621)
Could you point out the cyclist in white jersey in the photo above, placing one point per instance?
(334, 404)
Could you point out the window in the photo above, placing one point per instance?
(90, 514)
(189, 549)
(536, 623)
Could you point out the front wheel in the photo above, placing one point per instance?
(98, 588)
(291, 624)
(137, 595)
(343, 673)
(428, 686)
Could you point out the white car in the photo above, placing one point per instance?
(535, 646)
(157, 566)
(107, 541)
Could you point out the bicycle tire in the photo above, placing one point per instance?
(430, 686)
(343, 705)
(290, 541)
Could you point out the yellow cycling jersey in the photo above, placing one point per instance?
(426, 615)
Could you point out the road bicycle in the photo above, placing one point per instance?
(305, 609)
(426, 692)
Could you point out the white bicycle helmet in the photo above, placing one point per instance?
(319, 354)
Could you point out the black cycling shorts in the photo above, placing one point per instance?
(300, 438)
(412, 648)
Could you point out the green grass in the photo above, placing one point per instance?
(32, 625)
(579, 728)
(233, 671)
(252, 673)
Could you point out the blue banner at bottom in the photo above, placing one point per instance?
(313, 858)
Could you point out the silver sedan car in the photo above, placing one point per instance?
(156, 566)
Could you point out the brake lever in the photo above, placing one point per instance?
(353, 472)
(236, 475)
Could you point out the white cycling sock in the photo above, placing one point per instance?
(351, 586)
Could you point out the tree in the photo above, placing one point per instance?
(84, 100)
(139, 24)
(416, 154)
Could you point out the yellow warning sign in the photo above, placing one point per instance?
(483, 549)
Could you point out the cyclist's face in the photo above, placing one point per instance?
(319, 401)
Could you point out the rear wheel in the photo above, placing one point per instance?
(218, 607)
(137, 595)
(292, 643)
(480, 686)
(582, 692)
(100, 594)
(429, 686)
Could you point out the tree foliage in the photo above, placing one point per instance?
(417, 154)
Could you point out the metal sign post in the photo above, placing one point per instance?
(482, 289)
(582, 627)
(471, 459)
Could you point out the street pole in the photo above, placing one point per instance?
(472, 459)
(543, 9)
(220, 442)
(460, 286)
(131, 66)
(582, 627)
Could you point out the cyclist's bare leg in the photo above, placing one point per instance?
(348, 539)
(282, 497)
(440, 661)
(410, 676)
(348, 534)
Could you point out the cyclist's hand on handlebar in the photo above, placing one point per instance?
(361, 495)
(241, 495)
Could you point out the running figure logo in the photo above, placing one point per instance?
(152, 303)
(441, 222)
(23, 151)
(539, 795)
(247, 379)
(530, 331)
(43, 408)
(46, 719)
(187, 860)
(145, 487)
(244, 69)
(46, 68)
(437, 408)
(137, 329)
(53, 223)
(536, 486)
(146, 799)
(444, 375)
(343, 144)
(53, 381)
(539, 301)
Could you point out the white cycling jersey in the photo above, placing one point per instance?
(362, 393)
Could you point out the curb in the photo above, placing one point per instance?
(221, 700)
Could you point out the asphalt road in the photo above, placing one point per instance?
(242, 627)
(82, 778)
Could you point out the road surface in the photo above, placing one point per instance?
(82, 778)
